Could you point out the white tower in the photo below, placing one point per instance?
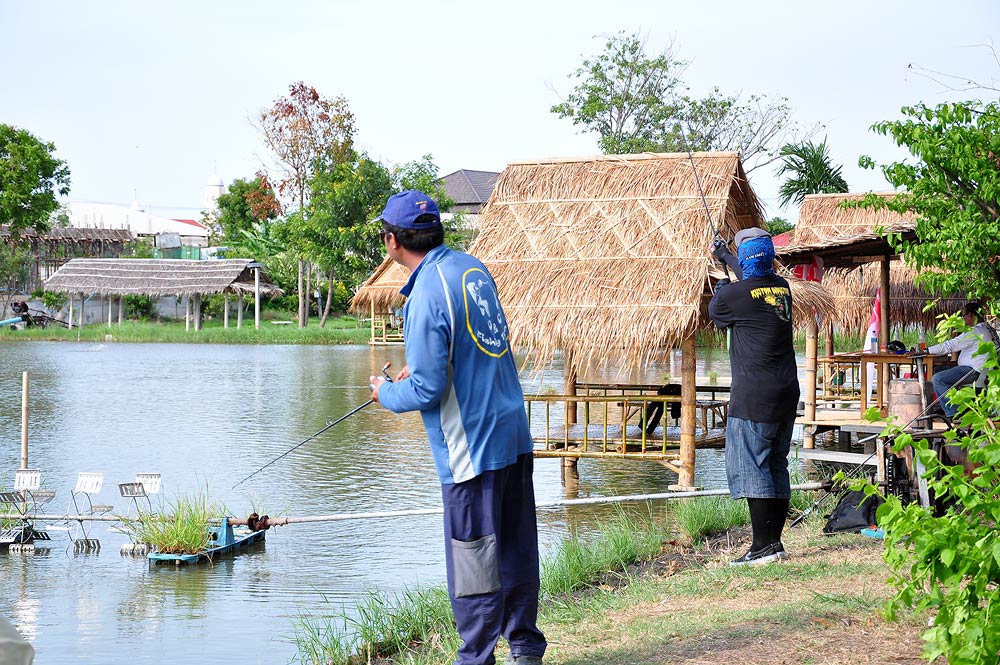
(213, 188)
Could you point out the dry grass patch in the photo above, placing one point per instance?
(820, 607)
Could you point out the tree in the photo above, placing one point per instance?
(809, 170)
(634, 104)
(306, 131)
(340, 235)
(953, 190)
(778, 225)
(30, 179)
(243, 204)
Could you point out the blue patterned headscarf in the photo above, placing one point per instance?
(756, 256)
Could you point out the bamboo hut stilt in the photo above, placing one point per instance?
(197, 312)
(685, 478)
(812, 332)
(225, 311)
(239, 311)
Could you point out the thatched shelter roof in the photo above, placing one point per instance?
(843, 236)
(608, 256)
(157, 277)
(73, 234)
(381, 289)
(853, 292)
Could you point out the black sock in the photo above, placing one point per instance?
(760, 522)
(779, 514)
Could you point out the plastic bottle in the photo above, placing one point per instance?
(874, 344)
(922, 345)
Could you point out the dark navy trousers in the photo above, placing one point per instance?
(491, 551)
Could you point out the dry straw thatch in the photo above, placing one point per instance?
(608, 256)
(380, 292)
(157, 277)
(823, 223)
(853, 292)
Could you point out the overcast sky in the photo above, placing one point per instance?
(148, 100)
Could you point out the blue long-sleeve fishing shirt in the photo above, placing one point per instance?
(463, 378)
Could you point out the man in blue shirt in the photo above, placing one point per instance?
(460, 374)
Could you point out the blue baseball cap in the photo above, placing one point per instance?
(404, 209)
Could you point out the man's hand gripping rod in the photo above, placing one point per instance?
(385, 372)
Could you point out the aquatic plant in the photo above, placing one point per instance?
(181, 529)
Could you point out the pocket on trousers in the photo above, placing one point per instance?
(475, 564)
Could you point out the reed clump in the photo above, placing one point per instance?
(181, 529)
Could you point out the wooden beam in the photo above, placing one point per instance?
(812, 332)
(685, 479)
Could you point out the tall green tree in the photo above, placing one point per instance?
(305, 131)
(245, 202)
(635, 102)
(808, 169)
(30, 178)
(340, 237)
(952, 186)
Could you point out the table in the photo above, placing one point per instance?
(885, 364)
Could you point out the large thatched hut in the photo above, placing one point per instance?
(607, 258)
(111, 278)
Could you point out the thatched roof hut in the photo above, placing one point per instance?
(853, 292)
(608, 257)
(158, 277)
(380, 292)
(843, 236)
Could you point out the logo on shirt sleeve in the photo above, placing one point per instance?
(483, 317)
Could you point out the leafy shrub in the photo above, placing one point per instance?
(947, 561)
(139, 307)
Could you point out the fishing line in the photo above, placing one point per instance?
(701, 192)
(328, 426)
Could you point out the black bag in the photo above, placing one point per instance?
(854, 512)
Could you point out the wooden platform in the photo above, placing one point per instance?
(599, 441)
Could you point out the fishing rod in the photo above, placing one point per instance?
(385, 367)
(829, 489)
(717, 237)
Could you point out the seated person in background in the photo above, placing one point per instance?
(970, 363)
(20, 308)
(654, 410)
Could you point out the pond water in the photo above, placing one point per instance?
(206, 416)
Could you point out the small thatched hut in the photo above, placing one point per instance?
(379, 297)
(161, 277)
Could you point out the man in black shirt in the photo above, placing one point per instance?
(765, 388)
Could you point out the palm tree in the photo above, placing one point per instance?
(810, 172)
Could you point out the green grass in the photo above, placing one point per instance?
(578, 562)
(340, 330)
(181, 529)
(417, 626)
(705, 516)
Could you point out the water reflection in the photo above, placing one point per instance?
(205, 416)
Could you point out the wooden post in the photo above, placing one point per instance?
(883, 333)
(71, 299)
(24, 420)
(121, 309)
(187, 313)
(685, 479)
(256, 298)
(197, 312)
(829, 340)
(812, 332)
(569, 385)
(225, 310)
(239, 311)
(372, 310)
(111, 303)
